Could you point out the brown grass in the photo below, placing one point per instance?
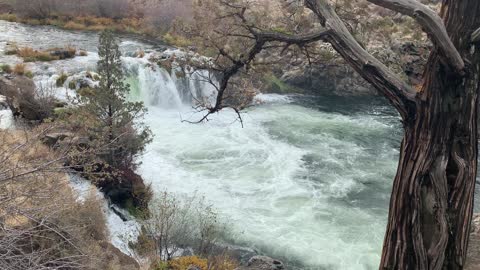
(36, 192)
(19, 69)
(30, 55)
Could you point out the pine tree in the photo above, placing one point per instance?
(116, 125)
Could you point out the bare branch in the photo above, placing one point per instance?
(476, 36)
(431, 23)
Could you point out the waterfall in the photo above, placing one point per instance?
(168, 89)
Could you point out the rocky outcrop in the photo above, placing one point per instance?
(126, 189)
(334, 78)
(338, 78)
(262, 263)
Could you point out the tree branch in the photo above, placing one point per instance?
(476, 36)
(432, 24)
(398, 92)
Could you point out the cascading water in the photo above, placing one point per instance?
(159, 88)
(303, 181)
(307, 180)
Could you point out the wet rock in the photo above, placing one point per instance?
(262, 263)
(240, 254)
(125, 188)
(63, 53)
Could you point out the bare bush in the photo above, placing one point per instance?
(177, 224)
(37, 9)
(162, 14)
(42, 224)
(112, 8)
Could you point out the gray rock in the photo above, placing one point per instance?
(263, 263)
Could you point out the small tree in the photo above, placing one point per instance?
(114, 121)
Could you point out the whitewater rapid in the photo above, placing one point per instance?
(307, 179)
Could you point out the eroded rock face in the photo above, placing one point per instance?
(338, 78)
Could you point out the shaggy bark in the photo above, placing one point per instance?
(432, 198)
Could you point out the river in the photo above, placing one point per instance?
(307, 179)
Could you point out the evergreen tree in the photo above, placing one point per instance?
(116, 125)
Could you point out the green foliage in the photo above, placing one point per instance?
(159, 265)
(6, 68)
(72, 85)
(29, 74)
(113, 120)
(176, 40)
(61, 80)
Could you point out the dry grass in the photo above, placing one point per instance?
(42, 222)
(19, 69)
(31, 55)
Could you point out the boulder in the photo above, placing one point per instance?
(63, 53)
(262, 263)
(125, 188)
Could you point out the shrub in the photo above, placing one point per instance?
(30, 55)
(82, 53)
(183, 263)
(6, 68)
(44, 226)
(175, 223)
(19, 69)
(29, 74)
(8, 17)
(176, 40)
(72, 85)
(222, 262)
(61, 80)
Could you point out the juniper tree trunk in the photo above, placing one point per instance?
(431, 205)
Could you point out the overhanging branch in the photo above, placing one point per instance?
(432, 24)
(397, 91)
